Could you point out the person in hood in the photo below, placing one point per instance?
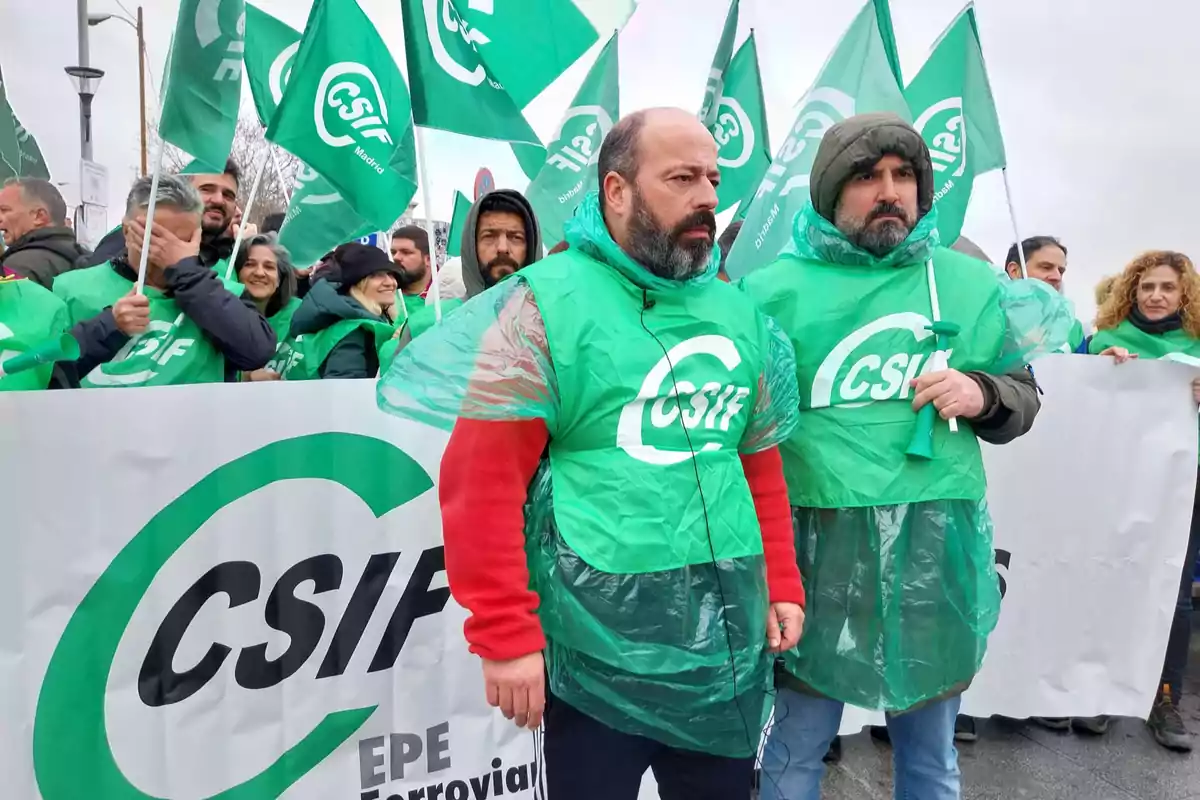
(896, 548)
(188, 326)
(613, 503)
(340, 328)
(33, 220)
(501, 235)
(264, 267)
(1153, 311)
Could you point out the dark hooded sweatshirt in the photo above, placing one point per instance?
(355, 355)
(44, 253)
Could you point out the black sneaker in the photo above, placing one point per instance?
(964, 729)
(1166, 724)
(834, 756)
(1096, 726)
(1054, 723)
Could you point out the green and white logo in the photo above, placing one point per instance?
(449, 23)
(159, 343)
(281, 70)
(885, 365)
(578, 137)
(734, 133)
(711, 407)
(349, 92)
(71, 707)
(208, 31)
(947, 140)
(823, 108)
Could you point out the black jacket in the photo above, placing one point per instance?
(1010, 404)
(43, 253)
(355, 355)
(234, 325)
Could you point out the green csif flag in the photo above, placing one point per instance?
(452, 88)
(740, 127)
(203, 84)
(525, 44)
(955, 114)
(570, 169)
(720, 66)
(458, 220)
(271, 48)
(318, 219)
(33, 164)
(10, 146)
(857, 78)
(349, 119)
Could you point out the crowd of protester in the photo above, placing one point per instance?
(195, 320)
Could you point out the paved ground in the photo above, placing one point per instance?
(1030, 763)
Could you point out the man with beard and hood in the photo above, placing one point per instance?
(612, 492)
(893, 536)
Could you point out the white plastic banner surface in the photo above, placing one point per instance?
(239, 592)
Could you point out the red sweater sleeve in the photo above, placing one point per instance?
(764, 474)
(485, 474)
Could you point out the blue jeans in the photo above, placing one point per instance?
(923, 754)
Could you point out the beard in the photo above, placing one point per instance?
(666, 253)
(214, 228)
(879, 238)
(410, 277)
(498, 269)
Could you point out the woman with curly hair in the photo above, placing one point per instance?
(1153, 311)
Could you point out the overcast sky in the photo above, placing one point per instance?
(1097, 101)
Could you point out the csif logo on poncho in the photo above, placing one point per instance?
(349, 97)
(708, 409)
(734, 133)
(944, 130)
(70, 717)
(883, 371)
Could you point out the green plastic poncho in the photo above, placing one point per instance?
(653, 594)
(29, 316)
(896, 553)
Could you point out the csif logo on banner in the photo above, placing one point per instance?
(712, 406)
(209, 30)
(350, 93)
(944, 129)
(71, 708)
(733, 125)
(442, 19)
(885, 372)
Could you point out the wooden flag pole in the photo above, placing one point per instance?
(423, 179)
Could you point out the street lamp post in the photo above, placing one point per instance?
(86, 80)
(140, 28)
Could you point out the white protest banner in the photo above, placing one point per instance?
(1092, 510)
(235, 592)
(238, 592)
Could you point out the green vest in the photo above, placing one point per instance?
(896, 553)
(300, 359)
(281, 323)
(622, 555)
(1172, 346)
(861, 336)
(29, 316)
(172, 351)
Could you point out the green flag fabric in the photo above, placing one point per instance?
(883, 13)
(570, 169)
(271, 48)
(349, 119)
(203, 84)
(714, 89)
(10, 147)
(955, 114)
(33, 164)
(462, 208)
(318, 219)
(452, 88)
(525, 44)
(530, 157)
(740, 128)
(857, 78)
